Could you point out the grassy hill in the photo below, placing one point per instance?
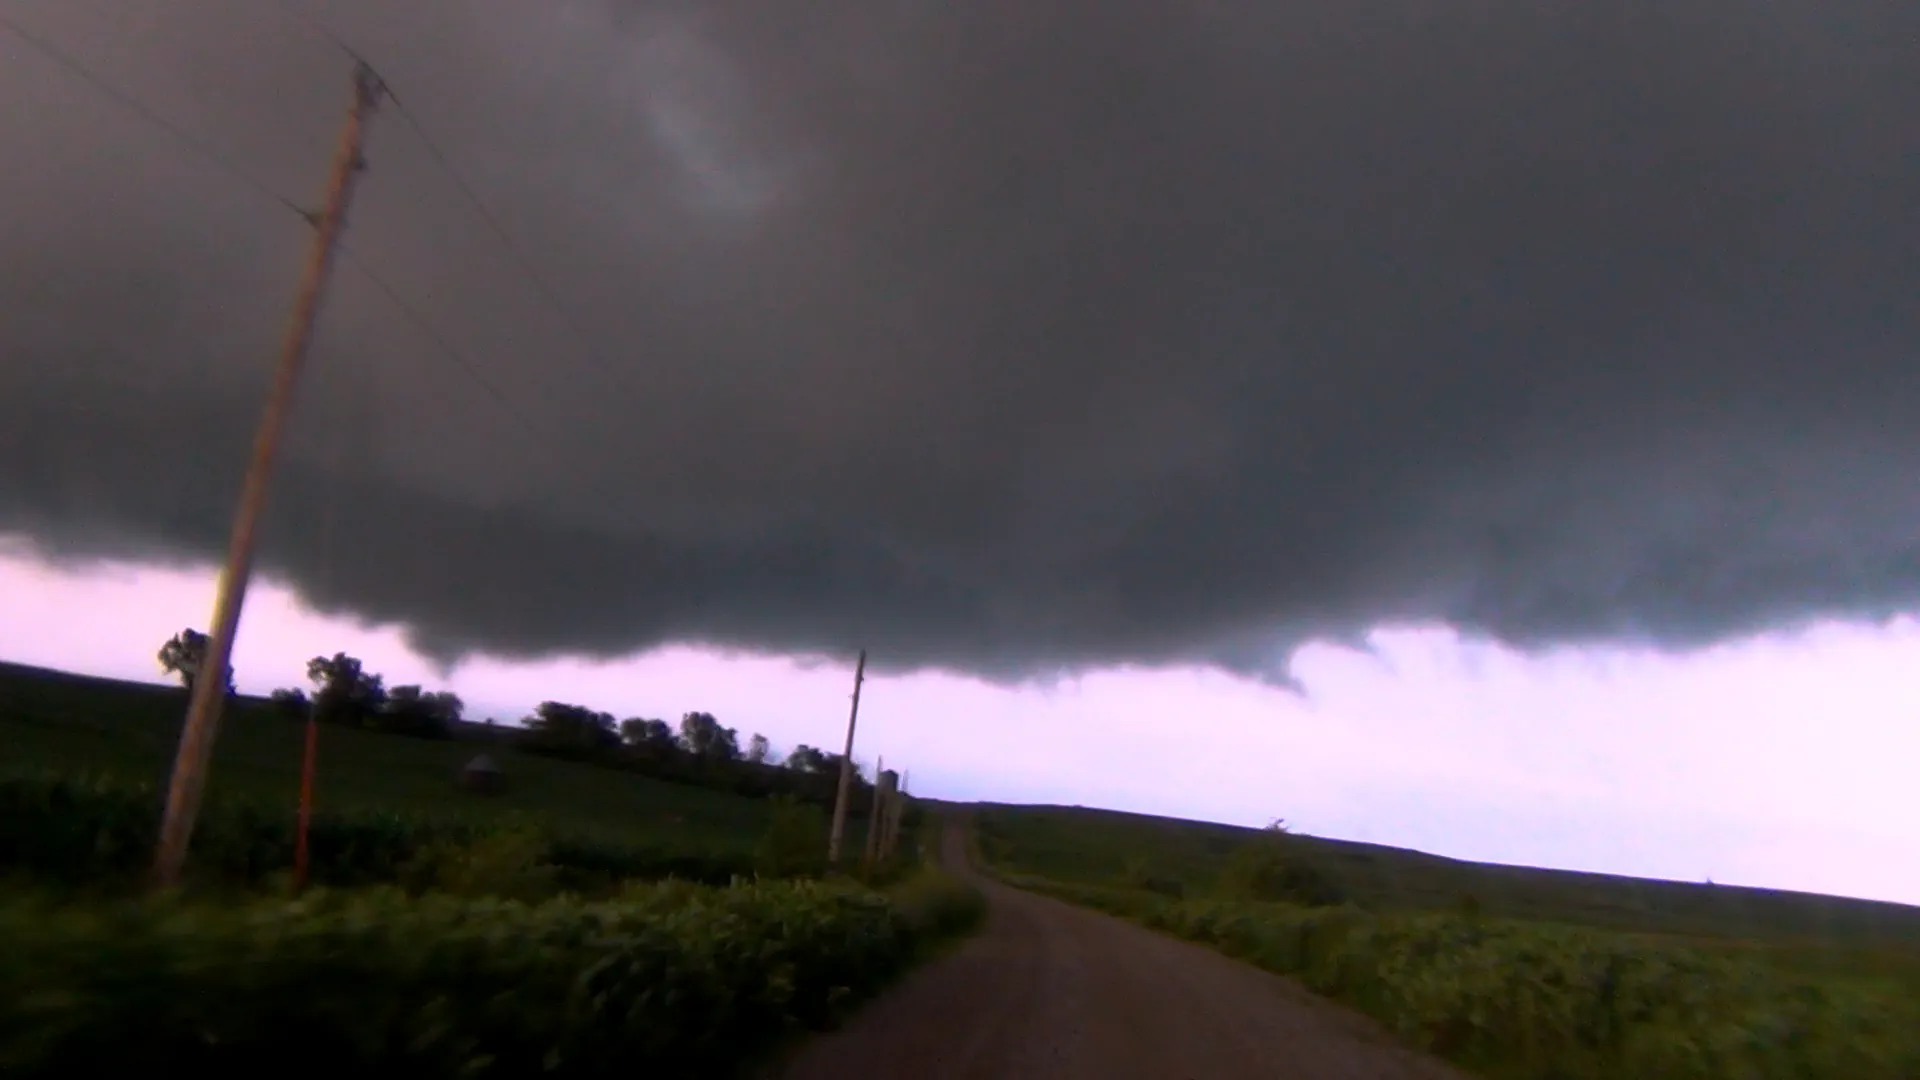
(1806, 931)
(1545, 974)
(76, 723)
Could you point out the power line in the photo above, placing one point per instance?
(467, 191)
(537, 440)
(506, 240)
(400, 303)
(451, 352)
(127, 101)
(407, 310)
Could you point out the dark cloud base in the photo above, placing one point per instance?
(1011, 338)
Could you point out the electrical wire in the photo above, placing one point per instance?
(469, 193)
(412, 314)
(513, 250)
(450, 352)
(51, 52)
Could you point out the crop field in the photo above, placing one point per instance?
(590, 922)
(73, 724)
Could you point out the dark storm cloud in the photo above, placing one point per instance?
(999, 336)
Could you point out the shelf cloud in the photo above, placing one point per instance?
(1003, 338)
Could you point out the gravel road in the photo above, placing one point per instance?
(1047, 991)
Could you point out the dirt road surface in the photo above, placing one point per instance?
(1047, 991)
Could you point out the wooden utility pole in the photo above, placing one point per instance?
(893, 815)
(203, 714)
(872, 847)
(897, 806)
(886, 827)
(846, 767)
(883, 782)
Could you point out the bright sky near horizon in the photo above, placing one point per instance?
(1148, 340)
(1781, 761)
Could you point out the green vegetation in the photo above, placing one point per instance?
(97, 835)
(937, 907)
(673, 980)
(791, 845)
(1535, 1001)
(1271, 869)
(76, 725)
(1594, 981)
(1101, 847)
(451, 934)
(479, 959)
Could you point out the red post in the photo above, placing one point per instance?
(300, 857)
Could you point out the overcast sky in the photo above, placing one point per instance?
(1020, 338)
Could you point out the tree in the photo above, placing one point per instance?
(292, 701)
(652, 736)
(344, 691)
(759, 750)
(184, 654)
(805, 759)
(558, 726)
(410, 711)
(447, 706)
(706, 740)
(830, 766)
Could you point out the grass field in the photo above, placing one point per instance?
(72, 723)
(1822, 935)
(1542, 975)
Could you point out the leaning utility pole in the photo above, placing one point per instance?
(203, 714)
(846, 767)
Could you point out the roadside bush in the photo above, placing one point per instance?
(936, 905)
(1267, 869)
(1139, 874)
(669, 981)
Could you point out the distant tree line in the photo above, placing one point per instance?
(700, 750)
(346, 693)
